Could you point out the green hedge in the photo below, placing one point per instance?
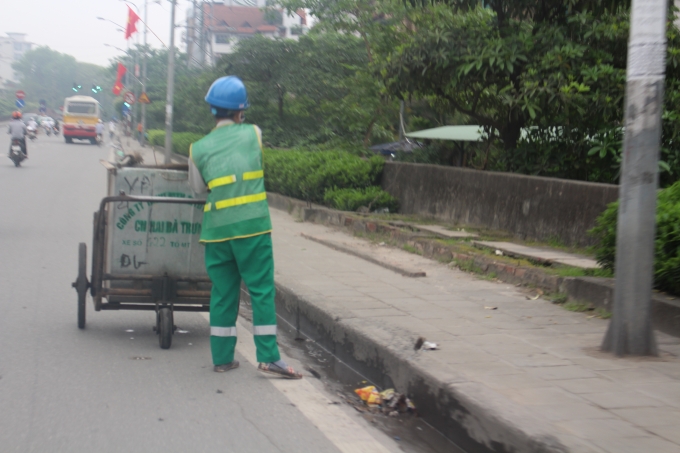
(156, 137)
(352, 199)
(181, 141)
(308, 175)
(667, 241)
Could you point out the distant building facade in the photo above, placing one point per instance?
(214, 28)
(12, 48)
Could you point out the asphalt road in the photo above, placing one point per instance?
(110, 388)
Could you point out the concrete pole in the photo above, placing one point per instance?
(630, 330)
(171, 87)
(143, 138)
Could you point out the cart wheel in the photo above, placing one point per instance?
(165, 327)
(81, 284)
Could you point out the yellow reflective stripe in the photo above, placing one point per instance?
(229, 202)
(207, 207)
(253, 175)
(223, 181)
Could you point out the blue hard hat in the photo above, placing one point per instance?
(228, 93)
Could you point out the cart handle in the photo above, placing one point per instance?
(124, 197)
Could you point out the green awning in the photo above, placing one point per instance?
(456, 133)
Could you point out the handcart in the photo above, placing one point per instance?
(145, 249)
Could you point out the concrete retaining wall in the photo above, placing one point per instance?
(529, 207)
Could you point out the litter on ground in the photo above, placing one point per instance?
(388, 402)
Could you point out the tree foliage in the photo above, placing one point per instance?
(312, 91)
(46, 74)
(546, 78)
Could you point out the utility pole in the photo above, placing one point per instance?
(630, 330)
(171, 86)
(143, 137)
(201, 37)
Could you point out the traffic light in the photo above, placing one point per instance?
(126, 104)
(75, 87)
(94, 88)
(99, 88)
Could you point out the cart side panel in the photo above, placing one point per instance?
(154, 239)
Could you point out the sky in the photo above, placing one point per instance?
(72, 27)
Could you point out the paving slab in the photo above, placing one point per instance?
(540, 254)
(496, 384)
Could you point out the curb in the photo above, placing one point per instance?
(474, 417)
(595, 291)
(363, 256)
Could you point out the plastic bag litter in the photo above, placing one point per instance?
(429, 346)
(388, 401)
(369, 395)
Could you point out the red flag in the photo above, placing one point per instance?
(131, 23)
(118, 86)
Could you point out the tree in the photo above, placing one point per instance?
(47, 74)
(547, 77)
(311, 91)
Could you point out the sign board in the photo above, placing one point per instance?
(129, 97)
(20, 94)
(154, 238)
(20, 103)
(144, 99)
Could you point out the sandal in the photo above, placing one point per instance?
(226, 367)
(272, 368)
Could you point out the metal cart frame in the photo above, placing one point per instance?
(163, 294)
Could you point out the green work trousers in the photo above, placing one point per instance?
(228, 262)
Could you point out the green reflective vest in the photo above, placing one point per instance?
(230, 161)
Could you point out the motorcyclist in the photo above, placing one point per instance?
(18, 131)
(32, 126)
(99, 129)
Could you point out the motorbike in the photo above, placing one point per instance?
(16, 152)
(100, 140)
(32, 134)
(48, 130)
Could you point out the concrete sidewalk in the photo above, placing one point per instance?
(512, 374)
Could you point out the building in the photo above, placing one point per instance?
(214, 28)
(12, 48)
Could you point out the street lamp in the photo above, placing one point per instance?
(114, 23)
(171, 86)
(130, 3)
(117, 48)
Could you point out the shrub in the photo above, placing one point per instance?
(667, 241)
(156, 137)
(352, 199)
(181, 141)
(307, 175)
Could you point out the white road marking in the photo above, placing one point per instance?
(345, 433)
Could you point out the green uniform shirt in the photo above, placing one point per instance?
(230, 162)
